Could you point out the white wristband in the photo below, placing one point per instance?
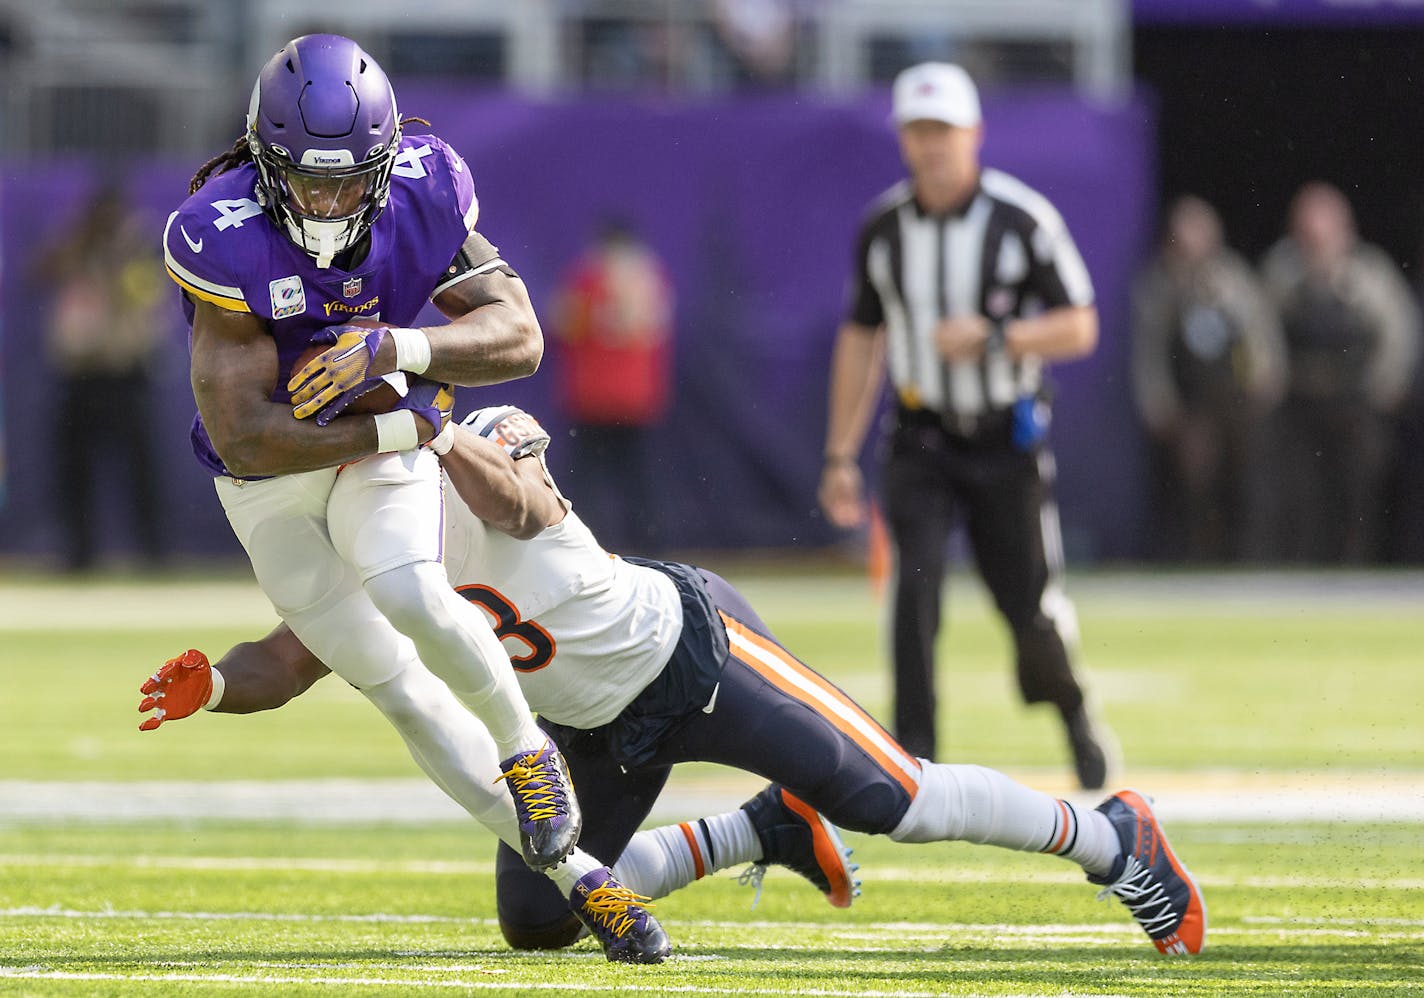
(412, 349)
(444, 440)
(219, 686)
(396, 431)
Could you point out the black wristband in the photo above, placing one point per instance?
(831, 460)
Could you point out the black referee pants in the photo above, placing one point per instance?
(932, 478)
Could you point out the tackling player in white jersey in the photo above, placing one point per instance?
(634, 666)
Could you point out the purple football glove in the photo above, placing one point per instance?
(344, 367)
(345, 399)
(431, 401)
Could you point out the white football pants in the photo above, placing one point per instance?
(351, 561)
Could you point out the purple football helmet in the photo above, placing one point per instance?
(323, 129)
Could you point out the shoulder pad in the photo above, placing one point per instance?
(427, 161)
(200, 261)
(511, 427)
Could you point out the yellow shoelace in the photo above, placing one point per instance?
(610, 906)
(534, 787)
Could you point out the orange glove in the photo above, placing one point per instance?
(184, 685)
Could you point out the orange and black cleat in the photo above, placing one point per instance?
(1159, 891)
(795, 835)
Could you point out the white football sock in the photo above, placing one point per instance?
(976, 804)
(661, 860)
(454, 640)
(456, 752)
(1098, 845)
(567, 873)
(449, 744)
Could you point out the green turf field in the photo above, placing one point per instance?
(1224, 692)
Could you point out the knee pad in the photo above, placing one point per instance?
(874, 808)
(451, 636)
(353, 640)
(296, 571)
(410, 596)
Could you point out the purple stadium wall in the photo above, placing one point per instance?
(753, 203)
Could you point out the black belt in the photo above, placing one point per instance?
(981, 427)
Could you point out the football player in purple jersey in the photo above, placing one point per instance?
(636, 666)
(325, 223)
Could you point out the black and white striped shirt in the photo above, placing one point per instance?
(1006, 254)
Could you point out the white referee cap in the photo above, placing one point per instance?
(936, 91)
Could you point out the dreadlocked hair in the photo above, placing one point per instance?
(236, 156)
(241, 153)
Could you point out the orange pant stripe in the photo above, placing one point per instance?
(777, 666)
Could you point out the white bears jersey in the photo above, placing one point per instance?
(585, 630)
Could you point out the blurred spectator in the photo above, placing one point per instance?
(1208, 365)
(1404, 490)
(718, 46)
(760, 38)
(1352, 336)
(613, 328)
(628, 53)
(102, 340)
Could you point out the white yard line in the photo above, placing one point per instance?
(866, 936)
(504, 971)
(1059, 874)
(510, 983)
(1208, 797)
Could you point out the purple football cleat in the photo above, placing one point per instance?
(618, 919)
(544, 801)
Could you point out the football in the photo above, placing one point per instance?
(383, 398)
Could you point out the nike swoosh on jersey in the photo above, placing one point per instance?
(712, 703)
(196, 247)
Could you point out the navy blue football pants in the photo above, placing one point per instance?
(772, 716)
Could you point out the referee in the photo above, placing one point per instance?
(966, 283)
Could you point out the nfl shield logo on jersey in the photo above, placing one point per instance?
(351, 287)
(288, 297)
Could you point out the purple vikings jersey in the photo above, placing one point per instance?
(220, 247)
